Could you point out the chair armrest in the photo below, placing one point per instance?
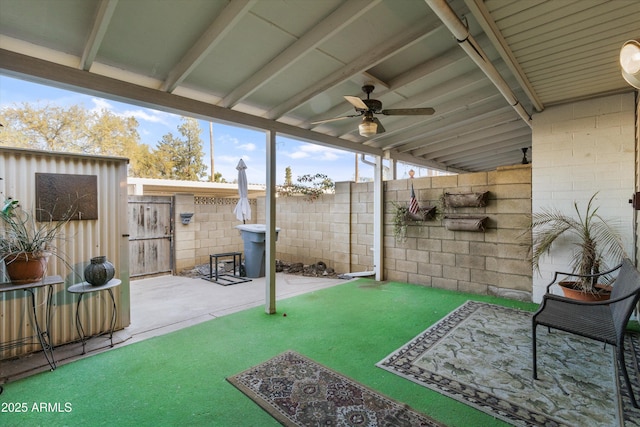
(560, 273)
(551, 300)
(566, 300)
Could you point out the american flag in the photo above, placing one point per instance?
(413, 203)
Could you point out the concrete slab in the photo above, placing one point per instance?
(163, 304)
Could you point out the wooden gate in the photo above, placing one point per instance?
(150, 235)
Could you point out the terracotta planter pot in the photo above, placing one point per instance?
(26, 267)
(573, 291)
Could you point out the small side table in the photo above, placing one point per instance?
(85, 288)
(225, 279)
(42, 331)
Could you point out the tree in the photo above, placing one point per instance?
(77, 130)
(47, 127)
(319, 184)
(217, 177)
(287, 177)
(109, 134)
(182, 158)
(74, 129)
(145, 164)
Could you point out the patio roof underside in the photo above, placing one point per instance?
(281, 65)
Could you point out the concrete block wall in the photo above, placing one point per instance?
(185, 237)
(313, 231)
(212, 229)
(490, 262)
(338, 229)
(361, 257)
(579, 149)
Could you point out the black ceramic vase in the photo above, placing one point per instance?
(99, 272)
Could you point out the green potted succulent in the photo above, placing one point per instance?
(592, 238)
(26, 244)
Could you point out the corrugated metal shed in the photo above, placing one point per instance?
(81, 241)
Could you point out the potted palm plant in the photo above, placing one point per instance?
(592, 238)
(26, 244)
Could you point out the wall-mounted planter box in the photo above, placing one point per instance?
(465, 223)
(423, 214)
(460, 200)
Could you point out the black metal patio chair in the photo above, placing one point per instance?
(604, 321)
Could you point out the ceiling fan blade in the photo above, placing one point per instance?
(381, 128)
(356, 102)
(408, 112)
(335, 119)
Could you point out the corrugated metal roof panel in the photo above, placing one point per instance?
(568, 49)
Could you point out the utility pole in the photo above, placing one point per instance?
(211, 178)
(356, 174)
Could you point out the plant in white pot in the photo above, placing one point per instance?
(26, 244)
(594, 241)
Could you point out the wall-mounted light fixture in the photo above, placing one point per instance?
(185, 217)
(630, 62)
(368, 127)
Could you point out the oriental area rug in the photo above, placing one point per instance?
(297, 391)
(480, 354)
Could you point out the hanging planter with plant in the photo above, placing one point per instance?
(402, 218)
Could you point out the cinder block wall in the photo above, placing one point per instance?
(313, 231)
(212, 229)
(338, 229)
(490, 262)
(580, 149)
(361, 235)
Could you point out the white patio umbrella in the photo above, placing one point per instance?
(242, 209)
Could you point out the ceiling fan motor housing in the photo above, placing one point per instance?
(373, 104)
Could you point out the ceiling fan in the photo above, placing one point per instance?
(366, 108)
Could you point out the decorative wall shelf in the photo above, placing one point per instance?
(424, 214)
(460, 200)
(465, 223)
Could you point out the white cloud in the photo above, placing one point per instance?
(225, 139)
(231, 160)
(146, 115)
(141, 114)
(248, 146)
(329, 155)
(297, 155)
(100, 104)
(318, 152)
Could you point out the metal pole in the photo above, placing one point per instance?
(270, 218)
(212, 179)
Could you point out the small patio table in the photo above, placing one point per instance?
(42, 333)
(225, 279)
(85, 288)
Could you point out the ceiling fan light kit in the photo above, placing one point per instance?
(366, 108)
(630, 62)
(368, 127)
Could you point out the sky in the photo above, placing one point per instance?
(230, 143)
